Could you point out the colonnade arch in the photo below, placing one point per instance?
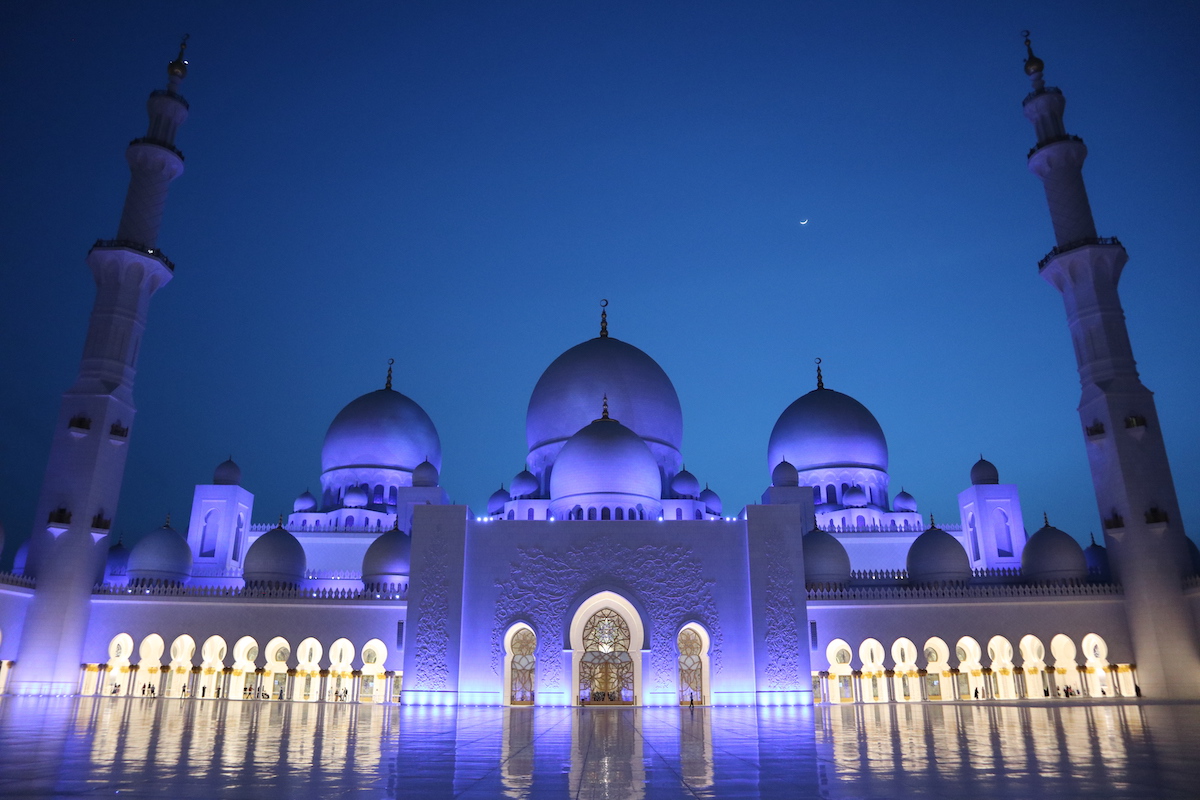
(278, 671)
(938, 672)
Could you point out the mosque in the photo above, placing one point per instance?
(605, 574)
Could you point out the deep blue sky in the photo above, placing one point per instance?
(456, 185)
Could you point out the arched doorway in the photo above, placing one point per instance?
(242, 685)
(1095, 660)
(116, 678)
(607, 639)
(520, 666)
(874, 679)
(1066, 668)
(1033, 665)
(841, 673)
(183, 649)
(150, 653)
(341, 670)
(275, 672)
(905, 675)
(308, 671)
(693, 643)
(212, 667)
(939, 680)
(970, 671)
(373, 687)
(1004, 684)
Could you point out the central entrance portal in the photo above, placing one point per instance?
(606, 668)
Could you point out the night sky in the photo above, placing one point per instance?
(457, 185)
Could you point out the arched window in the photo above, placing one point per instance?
(349, 522)
(529, 514)
(592, 512)
(699, 514)
(1004, 544)
(512, 514)
(861, 522)
(817, 495)
(521, 670)
(208, 536)
(620, 513)
(830, 494)
(679, 513)
(605, 513)
(974, 537)
(379, 494)
(238, 537)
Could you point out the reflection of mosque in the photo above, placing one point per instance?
(605, 575)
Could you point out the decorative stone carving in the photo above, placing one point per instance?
(783, 639)
(667, 580)
(432, 640)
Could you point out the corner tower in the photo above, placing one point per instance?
(1135, 493)
(91, 439)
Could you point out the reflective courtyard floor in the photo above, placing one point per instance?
(183, 749)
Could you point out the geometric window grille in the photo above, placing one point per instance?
(691, 670)
(523, 645)
(606, 669)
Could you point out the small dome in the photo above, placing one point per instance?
(161, 555)
(1096, 558)
(525, 484)
(904, 502)
(825, 558)
(785, 474)
(855, 497)
(937, 557)
(605, 457)
(711, 500)
(115, 563)
(825, 429)
(381, 429)
(497, 500)
(1053, 555)
(425, 474)
(275, 557)
(388, 558)
(984, 472)
(685, 484)
(355, 497)
(227, 473)
(305, 502)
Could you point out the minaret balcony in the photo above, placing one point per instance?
(1066, 137)
(1104, 241)
(158, 143)
(136, 247)
(1039, 92)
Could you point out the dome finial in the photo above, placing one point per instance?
(932, 524)
(396, 523)
(1093, 535)
(167, 524)
(177, 69)
(388, 383)
(820, 380)
(281, 520)
(1045, 519)
(1033, 64)
(604, 409)
(604, 319)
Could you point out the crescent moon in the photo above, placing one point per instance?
(604, 304)
(803, 222)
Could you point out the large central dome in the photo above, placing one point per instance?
(381, 429)
(639, 394)
(825, 429)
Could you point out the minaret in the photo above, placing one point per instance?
(1134, 490)
(87, 456)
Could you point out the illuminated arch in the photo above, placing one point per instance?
(693, 645)
(520, 665)
(628, 614)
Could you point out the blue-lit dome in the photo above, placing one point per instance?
(855, 497)
(1097, 561)
(825, 558)
(525, 484)
(495, 504)
(826, 429)
(685, 484)
(305, 502)
(388, 558)
(639, 394)
(1053, 555)
(381, 429)
(785, 474)
(984, 472)
(276, 557)
(904, 502)
(711, 500)
(425, 474)
(227, 473)
(355, 497)
(937, 557)
(161, 555)
(605, 458)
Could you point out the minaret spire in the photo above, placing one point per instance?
(82, 484)
(388, 384)
(820, 380)
(603, 319)
(1135, 492)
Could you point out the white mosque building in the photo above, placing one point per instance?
(605, 574)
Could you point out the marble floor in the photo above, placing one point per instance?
(183, 749)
